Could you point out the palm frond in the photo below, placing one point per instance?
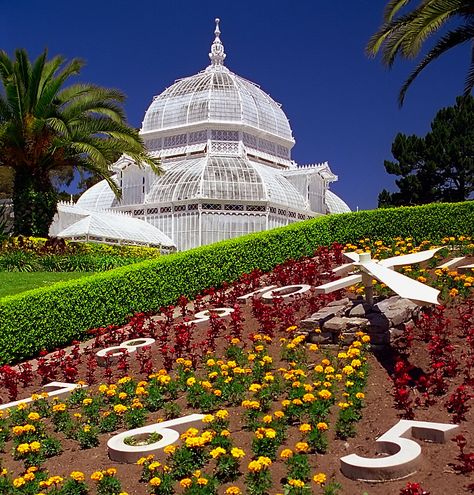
(35, 80)
(392, 9)
(454, 38)
(430, 19)
(469, 83)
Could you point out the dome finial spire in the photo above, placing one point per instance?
(217, 54)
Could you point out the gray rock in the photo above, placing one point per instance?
(320, 338)
(357, 322)
(347, 338)
(335, 324)
(340, 302)
(395, 333)
(358, 310)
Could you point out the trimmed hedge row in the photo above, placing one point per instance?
(53, 316)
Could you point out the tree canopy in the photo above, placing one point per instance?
(439, 166)
(47, 129)
(406, 28)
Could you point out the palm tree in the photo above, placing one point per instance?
(404, 32)
(46, 127)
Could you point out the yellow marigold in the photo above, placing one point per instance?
(305, 427)
(296, 483)
(120, 408)
(33, 416)
(255, 466)
(279, 414)
(237, 453)
(17, 482)
(202, 481)
(23, 448)
(55, 480)
(97, 476)
(186, 482)
(87, 401)
(222, 414)
(360, 395)
(322, 426)
(170, 449)
(77, 476)
(286, 454)
(154, 465)
(319, 478)
(309, 398)
(18, 430)
(155, 481)
(190, 381)
(343, 405)
(59, 407)
(264, 461)
(29, 476)
(218, 451)
(255, 387)
(318, 368)
(324, 394)
(225, 433)
(233, 490)
(348, 370)
(301, 447)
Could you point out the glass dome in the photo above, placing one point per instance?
(335, 204)
(230, 178)
(98, 197)
(217, 95)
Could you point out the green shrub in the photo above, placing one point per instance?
(53, 316)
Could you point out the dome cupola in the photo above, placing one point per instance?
(214, 100)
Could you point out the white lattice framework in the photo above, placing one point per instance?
(225, 146)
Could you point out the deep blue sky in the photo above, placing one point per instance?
(308, 55)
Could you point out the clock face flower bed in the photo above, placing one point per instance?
(277, 413)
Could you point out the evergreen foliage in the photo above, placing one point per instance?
(54, 316)
(439, 166)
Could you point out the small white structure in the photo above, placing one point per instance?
(225, 146)
(367, 269)
(108, 227)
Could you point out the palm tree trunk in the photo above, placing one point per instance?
(34, 202)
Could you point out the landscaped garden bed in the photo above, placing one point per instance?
(279, 412)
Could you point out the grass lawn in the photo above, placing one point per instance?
(15, 282)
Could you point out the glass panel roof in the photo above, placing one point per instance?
(216, 95)
(229, 178)
(335, 204)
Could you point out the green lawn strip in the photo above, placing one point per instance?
(16, 282)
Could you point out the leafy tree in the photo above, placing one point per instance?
(47, 129)
(438, 167)
(404, 31)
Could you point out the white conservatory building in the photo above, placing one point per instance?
(225, 146)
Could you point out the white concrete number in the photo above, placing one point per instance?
(404, 453)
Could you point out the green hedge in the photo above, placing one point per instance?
(53, 316)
